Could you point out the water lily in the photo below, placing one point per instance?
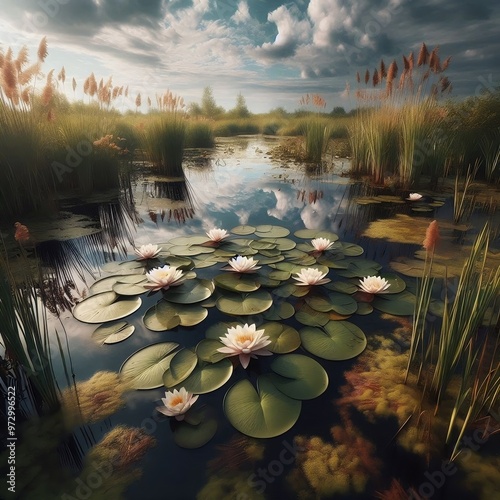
(177, 403)
(243, 264)
(217, 234)
(164, 277)
(322, 244)
(246, 342)
(147, 251)
(310, 276)
(374, 284)
(414, 196)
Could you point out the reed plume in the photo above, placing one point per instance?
(423, 55)
(24, 77)
(383, 71)
(48, 90)
(42, 49)
(73, 84)
(376, 79)
(367, 76)
(392, 71)
(358, 78)
(434, 63)
(62, 75)
(411, 60)
(406, 63)
(446, 63)
(86, 85)
(92, 85)
(22, 58)
(431, 236)
(138, 100)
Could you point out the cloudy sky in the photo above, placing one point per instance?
(272, 52)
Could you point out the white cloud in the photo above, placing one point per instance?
(242, 15)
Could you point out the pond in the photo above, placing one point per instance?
(333, 417)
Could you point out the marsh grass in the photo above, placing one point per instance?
(199, 134)
(465, 347)
(316, 136)
(163, 140)
(463, 202)
(25, 334)
(490, 147)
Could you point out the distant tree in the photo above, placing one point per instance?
(338, 111)
(280, 111)
(194, 109)
(241, 109)
(209, 107)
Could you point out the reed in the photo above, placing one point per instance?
(163, 142)
(316, 135)
(199, 134)
(462, 202)
(25, 334)
(490, 147)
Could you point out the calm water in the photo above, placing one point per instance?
(234, 185)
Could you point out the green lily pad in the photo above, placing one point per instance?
(106, 306)
(243, 230)
(244, 304)
(308, 316)
(113, 333)
(298, 376)
(208, 377)
(270, 231)
(397, 284)
(364, 308)
(262, 245)
(220, 329)
(283, 338)
(336, 341)
(282, 244)
(359, 268)
(310, 234)
(196, 239)
(277, 312)
(190, 292)
(338, 302)
(206, 350)
(262, 413)
(131, 285)
(145, 368)
(192, 250)
(187, 435)
(105, 284)
(342, 287)
(351, 250)
(182, 263)
(165, 316)
(125, 267)
(236, 282)
(181, 366)
(401, 304)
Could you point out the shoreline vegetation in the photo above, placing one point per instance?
(403, 127)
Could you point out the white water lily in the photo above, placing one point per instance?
(310, 276)
(374, 284)
(217, 234)
(246, 342)
(322, 244)
(148, 251)
(243, 264)
(177, 403)
(414, 196)
(164, 277)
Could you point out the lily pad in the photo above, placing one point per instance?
(190, 292)
(181, 366)
(298, 376)
(283, 338)
(106, 306)
(236, 282)
(145, 368)
(165, 316)
(308, 316)
(338, 302)
(208, 377)
(336, 341)
(105, 284)
(244, 304)
(262, 413)
(131, 285)
(113, 333)
(243, 230)
(279, 311)
(187, 435)
(206, 350)
(270, 231)
(401, 304)
(314, 233)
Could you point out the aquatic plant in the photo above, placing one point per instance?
(310, 276)
(163, 136)
(148, 251)
(245, 342)
(176, 403)
(242, 264)
(162, 278)
(217, 234)
(374, 284)
(321, 244)
(93, 400)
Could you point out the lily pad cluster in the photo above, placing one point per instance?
(267, 295)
